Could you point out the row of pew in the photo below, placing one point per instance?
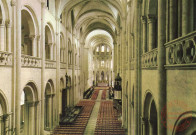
(107, 121)
(78, 127)
(103, 96)
(95, 95)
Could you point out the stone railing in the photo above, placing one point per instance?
(70, 66)
(30, 61)
(149, 59)
(63, 65)
(181, 51)
(5, 58)
(50, 64)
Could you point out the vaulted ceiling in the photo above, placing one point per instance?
(94, 21)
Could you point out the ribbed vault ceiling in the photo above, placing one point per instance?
(97, 21)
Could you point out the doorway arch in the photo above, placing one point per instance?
(149, 115)
(49, 109)
(3, 114)
(29, 98)
(185, 124)
(63, 97)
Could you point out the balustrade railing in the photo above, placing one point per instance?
(30, 61)
(5, 58)
(181, 51)
(50, 64)
(63, 65)
(149, 59)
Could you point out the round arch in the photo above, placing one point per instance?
(33, 17)
(49, 42)
(190, 117)
(3, 102)
(3, 113)
(4, 11)
(28, 109)
(49, 89)
(49, 105)
(150, 114)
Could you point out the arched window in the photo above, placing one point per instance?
(49, 45)
(108, 49)
(48, 4)
(102, 48)
(28, 39)
(62, 49)
(97, 50)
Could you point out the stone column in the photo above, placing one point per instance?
(38, 46)
(51, 46)
(49, 106)
(186, 24)
(144, 124)
(161, 62)
(173, 14)
(8, 36)
(144, 34)
(137, 68)
(6, 123)
(115, 58)
(2, 36)
(58, 69)
(73, 73)
(37, 118)
(123, 68)
(31, 108)
(132, 46)
(34, 48)
(18, 67)
(43, 66)
(151, 32)
(54, 51)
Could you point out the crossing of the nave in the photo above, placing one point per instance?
(124, 67)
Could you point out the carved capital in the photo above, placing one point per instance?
(8, 24)
(32, 37)
(13, 3)
(144, 19)
(50, 44)
(30, 104)
(43, 3)
(151, 18)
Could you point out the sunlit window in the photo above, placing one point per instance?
(102, 63)
(97, 50)
(22, 98)
(108, 49)
(102, 48)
